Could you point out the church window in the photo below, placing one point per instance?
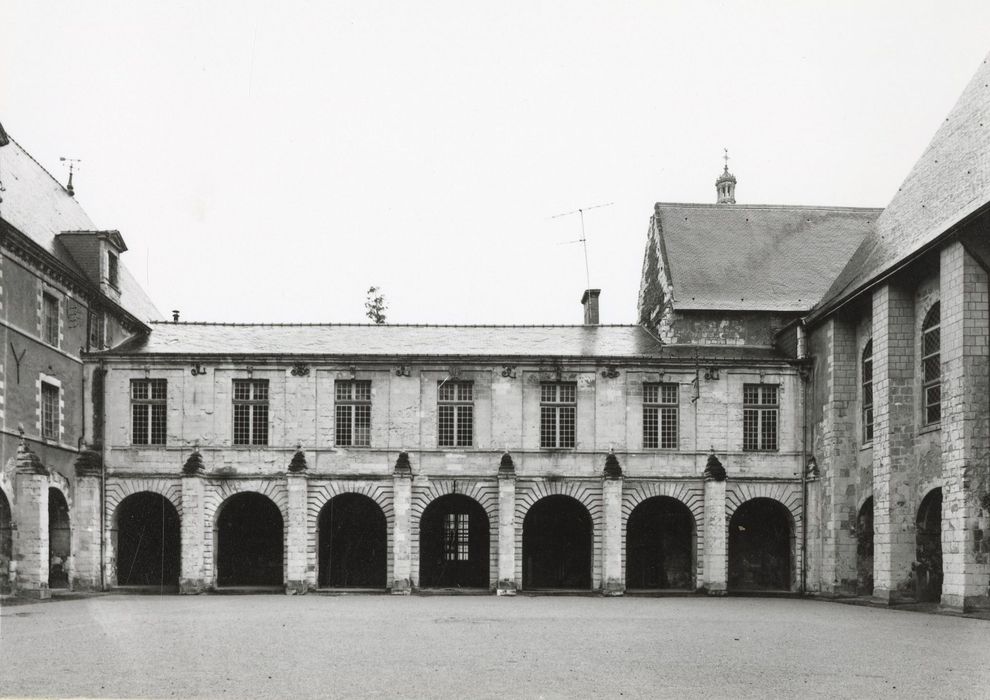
(868, 392)
(760, 417)
(558, 412)
(660, 415)
(250, 411)
(50, 319)
(456, 540)
(931, 365)
(455, 414)
(49, 411)
(353, 413)
(148, 411)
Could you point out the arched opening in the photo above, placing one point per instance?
(353, 543)
(760, 540)
(454, 544)
(864, 548)
(6, 543)
(928, 542)
(660, 545)
(147, 539)
(249, 542)
(557, 545)
(59, 540)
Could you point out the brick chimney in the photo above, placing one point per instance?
(590, 302)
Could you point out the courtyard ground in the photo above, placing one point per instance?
(458, 646)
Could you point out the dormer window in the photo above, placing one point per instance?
(113, 272)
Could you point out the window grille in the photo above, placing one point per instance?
(456, 540)
(660, 415)
(148, 411)
(760, 417)
(455, 414)
(353, 413)
(558, 412)
(931, 365)
(50, 320)
(113, 272)
(49, 411)
(868, 392)
(250, 411)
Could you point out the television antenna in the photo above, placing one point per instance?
(583, 240)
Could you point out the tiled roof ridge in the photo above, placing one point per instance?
(228, 324)
(36, 162)
(729, 207)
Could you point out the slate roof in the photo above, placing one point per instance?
(39, 207)
(749, 257)
(948, 183)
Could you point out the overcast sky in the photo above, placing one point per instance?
(271, 161)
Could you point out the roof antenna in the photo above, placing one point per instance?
(72, 163)
(583, 239)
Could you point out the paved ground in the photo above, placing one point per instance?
(369, 646)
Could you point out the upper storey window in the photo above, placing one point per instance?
(931, 365)
(49, 312)
(113, 271)
(455, 414)
(867, 366)
(250, 411)
(353, 413)
(148, 411)
(760, 410)
(558, 413)
(50, 413)
(660, 416)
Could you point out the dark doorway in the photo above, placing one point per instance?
(660, 545)
(59, 540)
(147, 541)
(6, 543)
(760, 536)
(864, 548)
(557, 545)
(353, 543)
(928, 539)
(249, 542)
(454, 544)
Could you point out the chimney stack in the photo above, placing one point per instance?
(175, 315)
(590, 302)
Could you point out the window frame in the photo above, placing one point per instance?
(557, 407)
(351, 405)
(867, 415)
(113, 269)
(50, 414)
(931, 383)
(763, 411)
(50, 318)
(254, 406)
(457, 536)
(657, 409)
(461, 408)
(155, 435)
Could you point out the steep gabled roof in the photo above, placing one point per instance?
(738, 257)
(949, 183)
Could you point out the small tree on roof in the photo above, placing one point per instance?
(375, 305)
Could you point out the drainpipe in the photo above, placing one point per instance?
(802, 355)
(103, 477)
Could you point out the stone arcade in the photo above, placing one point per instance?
(803, 406)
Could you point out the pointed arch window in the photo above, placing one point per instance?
(931, 365)
(867, 366)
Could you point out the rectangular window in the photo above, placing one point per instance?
(353, 413)
(455, 414)
(250, 411)
(97, 330)
(49, 411)
(868, 393)
(660, 416)
(760, 417)
(456, 531)
(148, 410)
(113, 273)
(50, 319)
(558, 413)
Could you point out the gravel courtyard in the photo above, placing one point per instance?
(454, 646)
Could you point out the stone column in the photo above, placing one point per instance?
(402, 530)
(894, 371)
(965, 357)
(192, 531)
(613, 582)
(86, 532)
(296, 533)
(31, 518)
(507, 584)
(715, 557)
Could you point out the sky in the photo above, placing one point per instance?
(270, 161)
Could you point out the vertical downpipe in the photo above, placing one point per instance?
(103, 474)
(802, 355)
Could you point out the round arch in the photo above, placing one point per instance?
(660, 539)
(59, 539)
(761, 546)
(557, 544)
(146, 540)
(352, 535)
(928, 547)
(454, 539)
(6, 542)
(250, 547)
